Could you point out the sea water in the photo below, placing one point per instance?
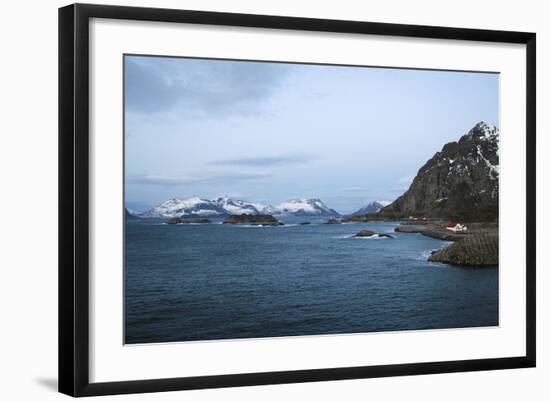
(221, 281)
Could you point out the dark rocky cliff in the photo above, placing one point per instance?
(460, 182)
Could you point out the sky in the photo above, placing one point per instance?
(268, 132)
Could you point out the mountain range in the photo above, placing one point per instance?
(224, 206)
(460, 182)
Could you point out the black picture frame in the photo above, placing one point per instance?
(74, 200)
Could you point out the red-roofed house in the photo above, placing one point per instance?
(456, 227)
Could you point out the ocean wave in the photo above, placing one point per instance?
(183, 224)
(265, 226)
(375, 236)
(352, 236)
(424, 255)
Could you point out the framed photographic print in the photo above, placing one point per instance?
(250, 199)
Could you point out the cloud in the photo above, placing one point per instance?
(268, 161)
(170, 181)
(357, 189)
(198, 87)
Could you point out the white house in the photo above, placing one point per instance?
(456, 227)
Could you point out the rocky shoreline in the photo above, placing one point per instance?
(477, 247)
(430, 230)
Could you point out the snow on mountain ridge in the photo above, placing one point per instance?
(235, 206)
(181, 207)
(299, 207)
(224, 205)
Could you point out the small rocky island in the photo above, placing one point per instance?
(369, 233)
(253, 219)
(179, 220)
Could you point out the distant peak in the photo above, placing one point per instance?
(371, 207)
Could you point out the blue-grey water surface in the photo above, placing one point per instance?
(220, 281)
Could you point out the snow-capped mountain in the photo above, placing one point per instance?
(460, 182)
(305, 207)
(235, 206)
(373, 207)
(223, 206)
(194, 206)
